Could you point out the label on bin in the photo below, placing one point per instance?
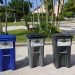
(6, 45)
(37, 42)
(64, 42)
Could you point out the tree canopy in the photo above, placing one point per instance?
(69, 8)
(1, 1)
(20, 7)
(49, 5)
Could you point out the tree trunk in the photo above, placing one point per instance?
(33, 14)
(46, 11)
(52, 20)
(60, 7)
(14, 17)
(5, 16)
(42, 8)
(57, 22)
(38, 20)
(1, 30)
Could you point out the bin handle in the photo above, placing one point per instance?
(64, 52)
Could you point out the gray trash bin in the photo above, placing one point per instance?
(36, 50)
(61, 49)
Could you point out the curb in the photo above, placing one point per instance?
(25, 44)
(46, 43)
(21, 44)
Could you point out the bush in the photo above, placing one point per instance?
(43, 28)
(55, 29)
(60, 18)
(27, 18)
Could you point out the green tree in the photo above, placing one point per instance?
(69, 8)
(20, 7)
(49, 5)
(1, 1)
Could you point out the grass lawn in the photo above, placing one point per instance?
(21, 23)
(48, 39)
(20, 35)
(73, 39)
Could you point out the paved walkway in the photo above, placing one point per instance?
(14, 27)
(24, 27)
(22, 67)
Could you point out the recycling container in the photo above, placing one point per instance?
(36, 50)
(61, 49)
(7, 52)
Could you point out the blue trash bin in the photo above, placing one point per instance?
(7, 52)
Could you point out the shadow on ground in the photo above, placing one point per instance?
(22, 63)
(48, 60)
(72, 60)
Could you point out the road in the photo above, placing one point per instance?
(67, 27)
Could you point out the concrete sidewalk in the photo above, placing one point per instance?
(22, 67)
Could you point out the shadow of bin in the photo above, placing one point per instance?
(61, 49)
(36, 50)
(7, 52)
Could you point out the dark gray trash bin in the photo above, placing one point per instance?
(61, 49)
(36, 50)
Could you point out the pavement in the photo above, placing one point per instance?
(22, 67)
(68, 27)
(14, 27)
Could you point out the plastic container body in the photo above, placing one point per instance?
(36, 50)
(61, 49)
(7, 52)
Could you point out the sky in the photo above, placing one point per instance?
(34, 4)
(4, 2)
(30, 0)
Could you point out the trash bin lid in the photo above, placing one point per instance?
(62, 35)
(34, 36)
(5, 37)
